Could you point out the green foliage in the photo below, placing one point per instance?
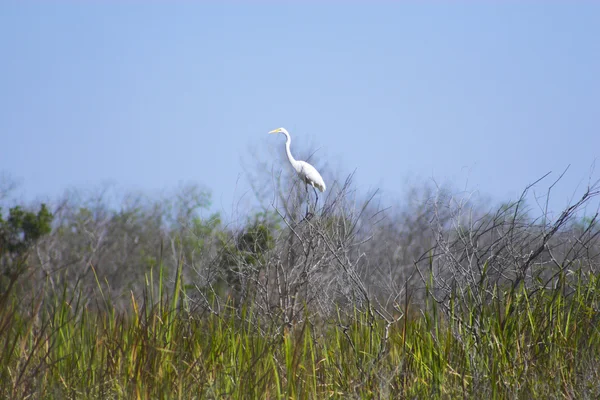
(201, 231)
(248, 248)
(254, 242)
(22, 229)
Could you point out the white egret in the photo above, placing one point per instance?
(305, 171)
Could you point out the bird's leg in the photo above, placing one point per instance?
(316, 198)
(307, 200)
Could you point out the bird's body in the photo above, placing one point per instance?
(305, 171)
(310, 175)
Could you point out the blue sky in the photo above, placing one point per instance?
(487, 96)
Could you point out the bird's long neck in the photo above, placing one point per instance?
(287, 149)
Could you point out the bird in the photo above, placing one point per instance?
(305, 171)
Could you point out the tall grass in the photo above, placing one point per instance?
(542, 344)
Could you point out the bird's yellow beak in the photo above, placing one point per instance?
(276, 130)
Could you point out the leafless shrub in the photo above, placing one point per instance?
(506, 249)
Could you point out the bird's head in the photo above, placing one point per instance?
(279, 130)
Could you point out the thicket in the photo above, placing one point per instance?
(438, 297)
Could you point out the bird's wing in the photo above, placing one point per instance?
(312, 176)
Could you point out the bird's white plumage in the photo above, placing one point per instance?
(306, 172)
(310, 175)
